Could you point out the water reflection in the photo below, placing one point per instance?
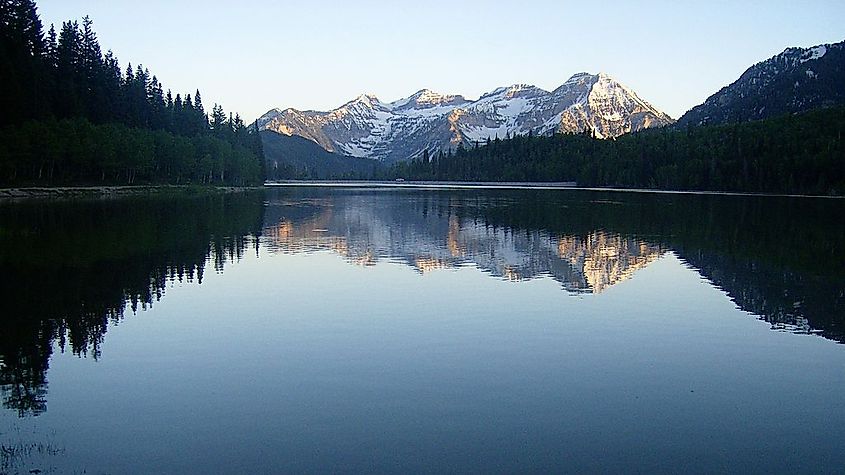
(363, 234)
(781, 259)
(73, 268)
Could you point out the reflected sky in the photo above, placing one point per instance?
(372, 331)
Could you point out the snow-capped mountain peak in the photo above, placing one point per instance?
(426, 98)
(514, 90)
(579, 78)
(366, 100)
(427, 120)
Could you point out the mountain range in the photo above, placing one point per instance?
(400, 130)
(794, 81)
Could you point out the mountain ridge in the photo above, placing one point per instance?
(795, 80)
(427, 120)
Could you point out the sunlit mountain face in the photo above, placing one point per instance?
(365, 127)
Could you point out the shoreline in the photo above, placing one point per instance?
(481, 185)
(107, 191)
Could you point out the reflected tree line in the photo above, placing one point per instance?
(73, 267)
(779, 258)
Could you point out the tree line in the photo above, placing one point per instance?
(61, 84)
(790, 154)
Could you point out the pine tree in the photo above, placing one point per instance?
(68, 71)
(112, 92)
(25, 26)
(130, 75)
(92, 56)
(155, 98)
(238, 130)
(52, 47)
(257, 147)
(218, 121)
(198, 103)
(201, 118)
(93, 77)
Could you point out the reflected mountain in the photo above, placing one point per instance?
(428, 234)
(73, 267)
(779, 258)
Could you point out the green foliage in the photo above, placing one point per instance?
(801, 154)
(75, 151)
(121, 127)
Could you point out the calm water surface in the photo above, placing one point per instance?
(399, 330)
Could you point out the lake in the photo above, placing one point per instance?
(396, 330)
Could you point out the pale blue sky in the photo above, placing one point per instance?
(255, 55)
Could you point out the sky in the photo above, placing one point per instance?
(319, 54)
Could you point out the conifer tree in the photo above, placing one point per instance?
(218, 121)
(52, 45)
(198, 103)
(111, 89)
(68, 71)
(25, 26)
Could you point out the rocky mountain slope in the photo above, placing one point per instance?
(797, 80)
(367, 127)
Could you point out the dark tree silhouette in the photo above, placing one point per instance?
(89, 111)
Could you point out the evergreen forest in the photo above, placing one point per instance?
(800, 154)
(72, 114)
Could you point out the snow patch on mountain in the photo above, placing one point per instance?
(427, 120)
(814, 53)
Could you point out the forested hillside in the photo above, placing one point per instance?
(790, 154)
(794, 81)
(71, 114)
(295, 157)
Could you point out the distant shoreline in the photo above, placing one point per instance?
(20, 193)
(516, 185)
